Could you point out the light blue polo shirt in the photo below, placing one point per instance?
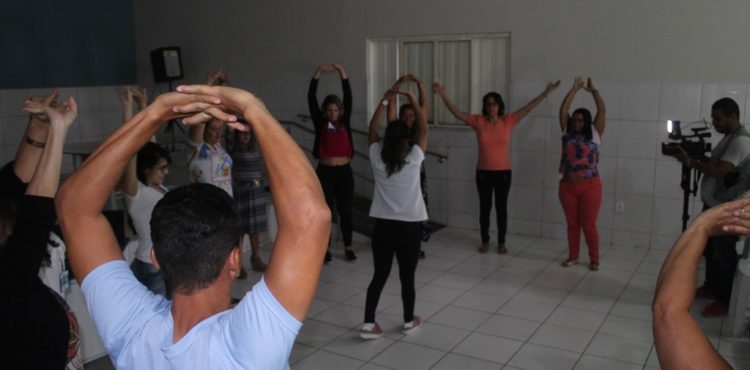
(136, 327)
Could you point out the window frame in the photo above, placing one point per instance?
(438, 42)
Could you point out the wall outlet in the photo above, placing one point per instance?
(620, 206)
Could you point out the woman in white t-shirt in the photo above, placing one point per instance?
(142, 183)
(398, 209)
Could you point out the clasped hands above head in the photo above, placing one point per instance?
(196, 104)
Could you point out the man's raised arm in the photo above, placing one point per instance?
(88, 235)
(301, 211)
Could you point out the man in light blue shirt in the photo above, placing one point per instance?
(196, 236)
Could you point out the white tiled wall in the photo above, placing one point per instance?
(99, 114)
(632, 168)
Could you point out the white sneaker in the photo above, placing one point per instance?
(412, 326)
(370, 331)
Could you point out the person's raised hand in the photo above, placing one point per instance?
(740, 223)
(438, 88)
(590, 86)
(325, 68)
(577, 83)
(233, 102)
(551, 86)
(126, 98)
(731, 217)
(162, 109)
(61, 116)
(218, 78)
(140, 96)
(39, 102)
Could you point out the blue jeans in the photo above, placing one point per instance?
(151, 277)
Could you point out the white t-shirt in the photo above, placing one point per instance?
(55, 275)
(398, 197)
(738, 150)
(136, 326)
(140, 208)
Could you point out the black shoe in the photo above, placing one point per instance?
(421, 254)
(327, 257)
(350, 255)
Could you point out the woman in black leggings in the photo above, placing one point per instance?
(493, 128)
(333, 148)
(398, 209)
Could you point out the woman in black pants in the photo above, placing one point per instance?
(38, 330)
(333, 148)
(493, 128)
(398, 209)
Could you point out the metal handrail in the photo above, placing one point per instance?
(304, 117)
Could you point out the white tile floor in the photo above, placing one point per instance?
(518, 311)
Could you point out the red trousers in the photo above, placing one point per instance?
(581, 201)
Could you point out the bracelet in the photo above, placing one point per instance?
(34, 143)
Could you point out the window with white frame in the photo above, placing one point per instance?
(468, 65)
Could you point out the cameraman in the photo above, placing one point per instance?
(721, 255)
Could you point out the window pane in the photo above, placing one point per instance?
(455, 73)
(418, 59)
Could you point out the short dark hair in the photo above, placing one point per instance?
(588, 123)
(194, 228)
(498, 99)
(148, 157)
(402, 110)
(727, 106)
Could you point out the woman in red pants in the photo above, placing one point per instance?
(580, 188)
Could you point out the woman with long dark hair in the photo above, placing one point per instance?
(333, 148)
(580, 188)
(407, 113)
(493, 128)
(398, 209)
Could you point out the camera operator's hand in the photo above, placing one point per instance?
(682, 156)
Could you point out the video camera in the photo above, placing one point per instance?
(695, 145)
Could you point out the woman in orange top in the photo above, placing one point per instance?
(493, 128)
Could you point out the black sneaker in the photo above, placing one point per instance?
(327, 257)
(350, 255)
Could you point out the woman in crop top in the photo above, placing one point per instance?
(580, 188)
(493, 128)
(333, 149)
